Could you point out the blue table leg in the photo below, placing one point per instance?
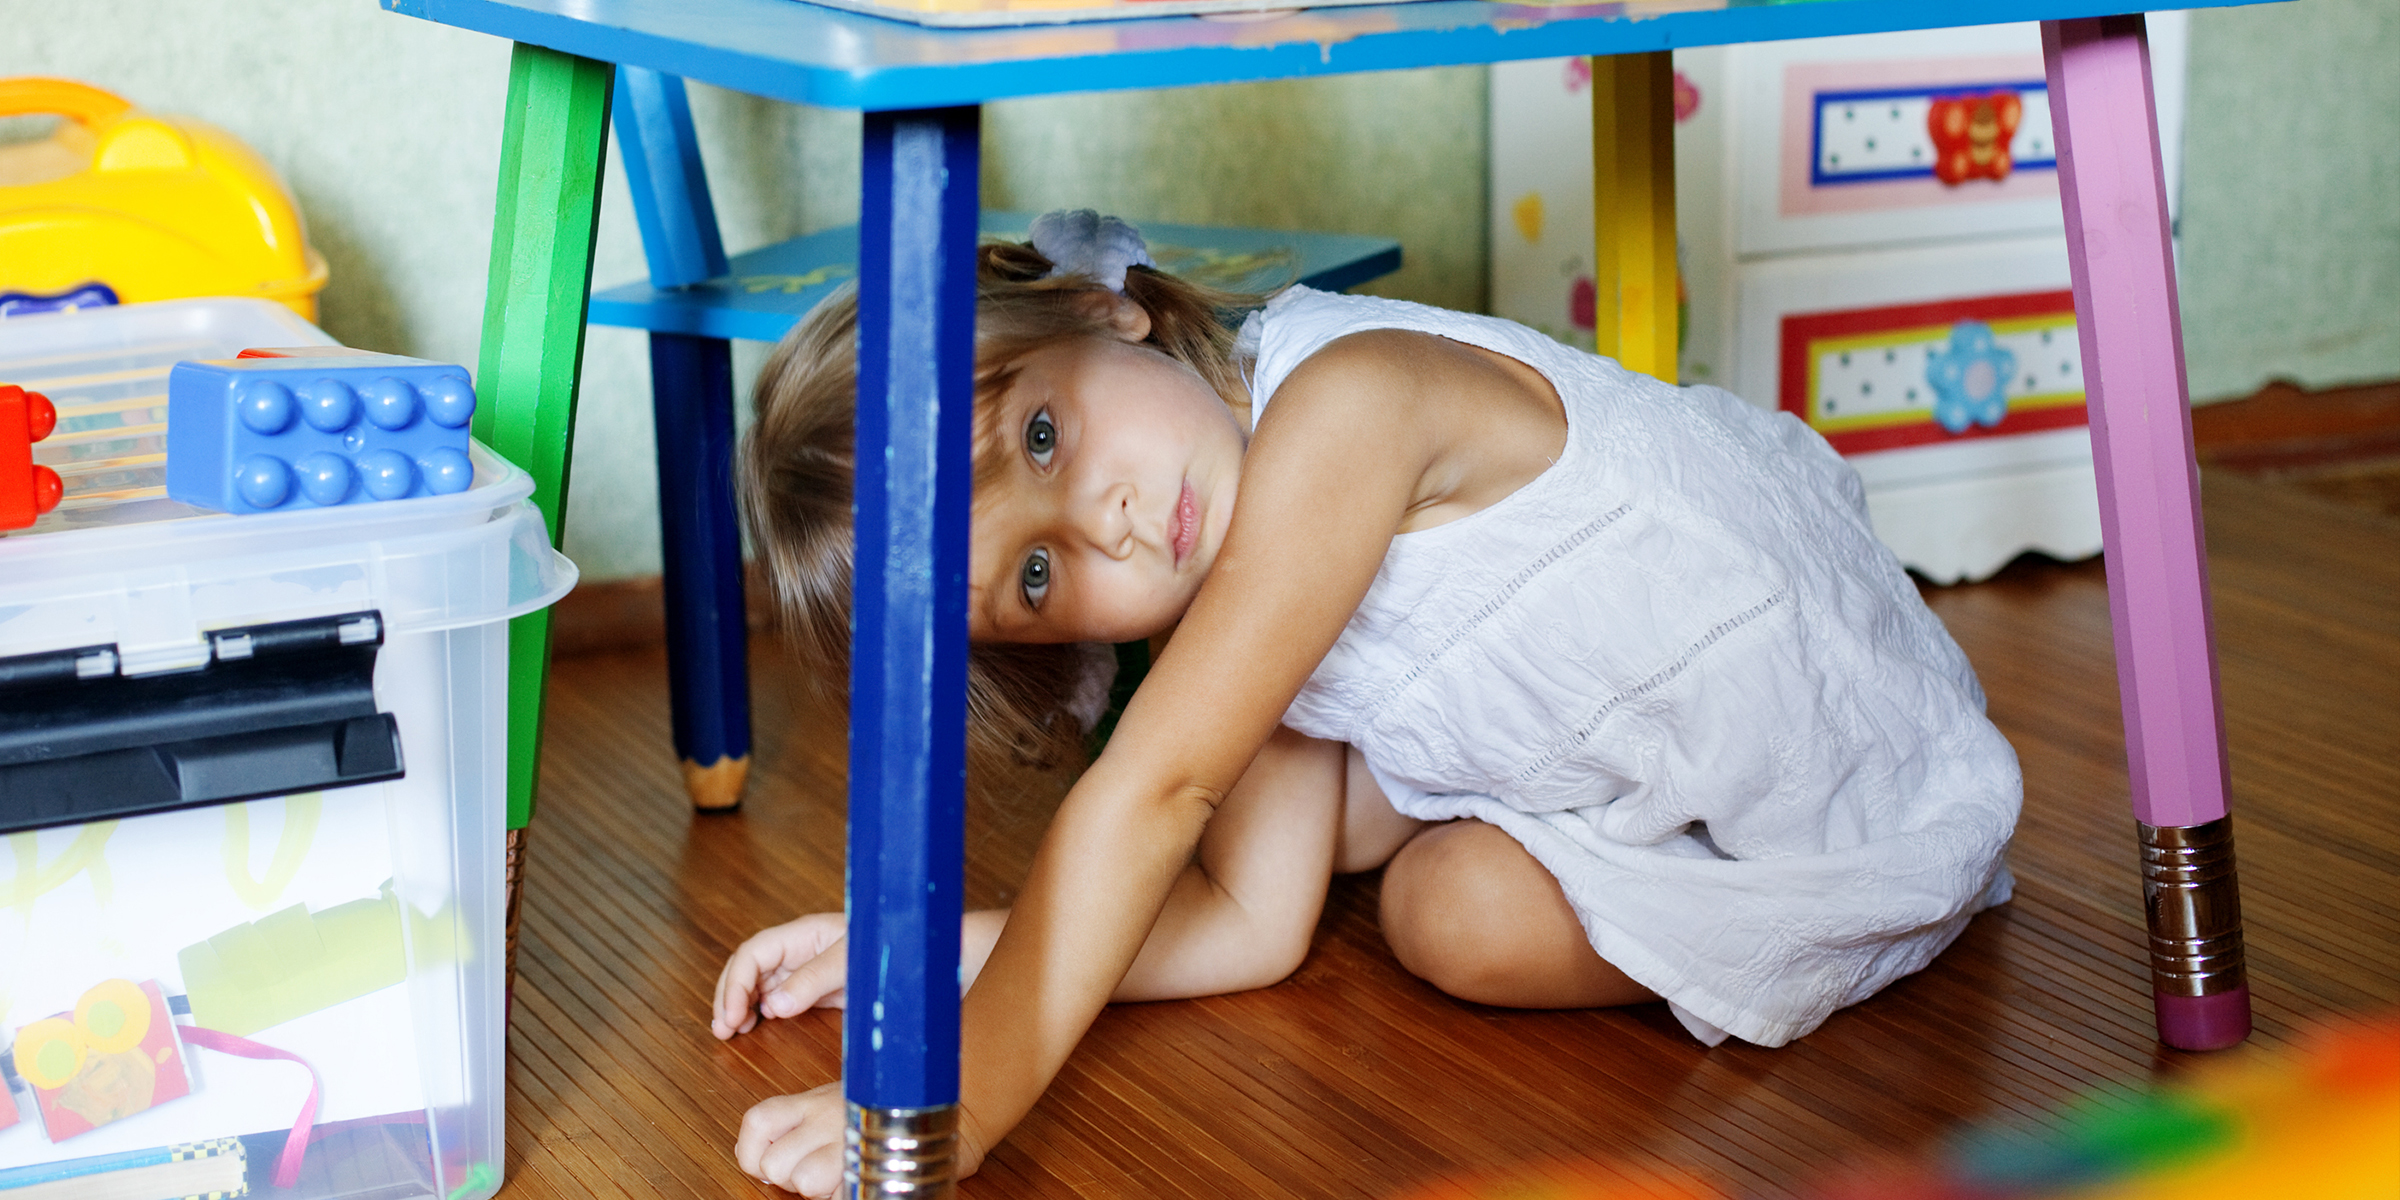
(692, 401)
(908, 651)
(708, 681)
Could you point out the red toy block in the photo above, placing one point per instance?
(26, 489)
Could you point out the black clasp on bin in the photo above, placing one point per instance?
(287, 707)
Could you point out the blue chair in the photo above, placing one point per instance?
(698, 300)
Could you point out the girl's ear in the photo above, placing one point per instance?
(1126, 318)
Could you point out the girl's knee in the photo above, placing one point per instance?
(1437, 908)
(1468, 910)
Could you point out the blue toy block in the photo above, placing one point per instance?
(255, 435)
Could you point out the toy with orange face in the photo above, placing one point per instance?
(114, 1056)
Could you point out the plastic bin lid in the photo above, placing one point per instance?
(117, 562)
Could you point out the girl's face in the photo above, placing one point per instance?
(1116, 496)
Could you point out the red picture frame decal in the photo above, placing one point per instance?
(1905, 375)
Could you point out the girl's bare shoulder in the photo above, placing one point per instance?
(1467, 425)
(1372, 361)
(1363, 389)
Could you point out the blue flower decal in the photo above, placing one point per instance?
(1970, 378)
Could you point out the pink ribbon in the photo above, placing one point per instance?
(287, 1167)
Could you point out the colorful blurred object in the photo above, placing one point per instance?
(121, 203)
(1567, 1181)
(2321, 1120)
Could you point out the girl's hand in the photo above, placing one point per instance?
(781, 972)
(795, 1142)
(803, 964)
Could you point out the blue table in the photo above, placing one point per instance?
(920, 90)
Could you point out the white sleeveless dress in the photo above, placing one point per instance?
(1680, 670)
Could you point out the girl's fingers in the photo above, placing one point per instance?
(794, 1142)
(816, 933)
(819, 981)
(779, 972)
(766, 1121)
(729, 1010)
(751, 969)
(815, 1169)
(755, 966)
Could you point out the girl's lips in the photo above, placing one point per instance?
(1185, 528)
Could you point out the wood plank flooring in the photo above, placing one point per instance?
(1352, 1079)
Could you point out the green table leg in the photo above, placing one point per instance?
(553, 143)
(552, 148)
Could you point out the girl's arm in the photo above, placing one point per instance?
(1334, 469)
(1239, 916)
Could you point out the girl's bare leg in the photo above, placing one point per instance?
(1469, 911)
(1372, 830)
(1243, 913)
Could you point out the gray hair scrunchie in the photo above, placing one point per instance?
(1082, 242)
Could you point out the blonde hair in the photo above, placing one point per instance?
(1027, 705)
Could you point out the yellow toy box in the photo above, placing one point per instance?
(127, 206)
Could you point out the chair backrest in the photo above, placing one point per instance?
(670, 188)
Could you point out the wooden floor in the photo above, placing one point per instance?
(1353, 1079)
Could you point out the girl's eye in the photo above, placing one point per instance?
(1034, 577)
(1041, 438)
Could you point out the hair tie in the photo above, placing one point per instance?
(1082, 242)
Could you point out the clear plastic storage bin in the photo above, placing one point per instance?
(252, 797)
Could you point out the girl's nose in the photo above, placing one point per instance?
(1109, 520)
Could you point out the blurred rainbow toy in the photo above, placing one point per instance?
(118, 205)
(2321, 1120)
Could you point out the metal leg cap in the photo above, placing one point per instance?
(2204, 1022)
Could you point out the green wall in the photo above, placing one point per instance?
(1399, 154)
(2291, 200)
(387, 130)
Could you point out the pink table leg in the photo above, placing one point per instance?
(2117, 238)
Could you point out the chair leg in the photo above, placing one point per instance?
(665, 177)
(2118, 242)
(708, 676)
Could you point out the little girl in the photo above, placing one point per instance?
(1611, 677)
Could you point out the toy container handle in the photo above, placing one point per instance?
(81, 103)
